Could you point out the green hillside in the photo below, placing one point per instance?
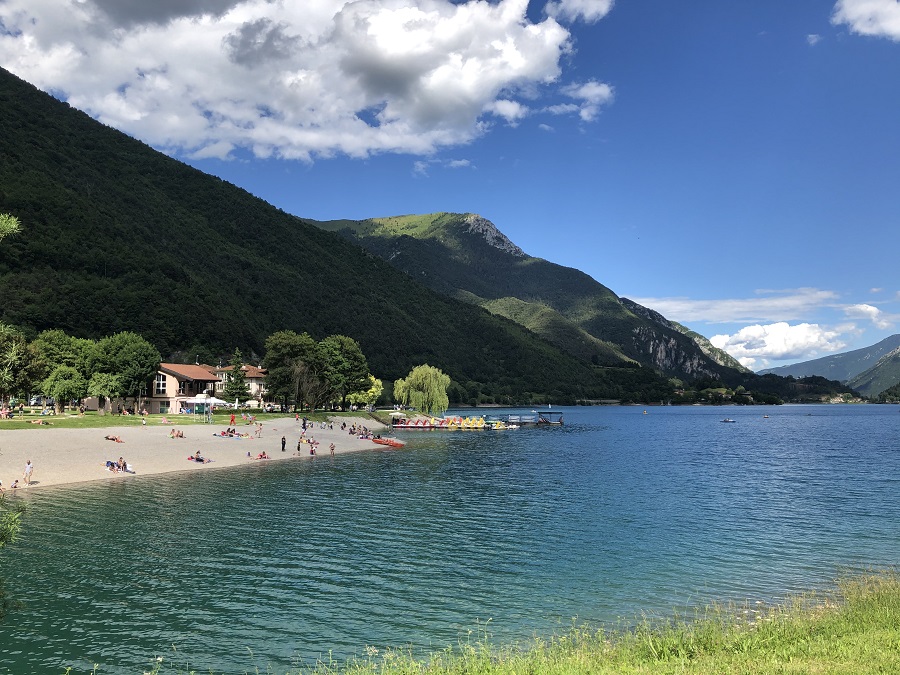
(465, 256)
(117, 236)
(880, 377)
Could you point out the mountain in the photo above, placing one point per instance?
(466, 257)
(116, 236)
(880, 377)
(841, 367)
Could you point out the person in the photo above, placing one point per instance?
(29, 469)
(299, 443)
(112, 466)
(113, 438)
(15, 484)
(312, 449)
(283, 443)
(143, 421)
(198, 458)
(331, 447)
(231, 423)
(262, 455)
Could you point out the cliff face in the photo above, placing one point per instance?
(713, 353)
(494, 237)
(672, 356)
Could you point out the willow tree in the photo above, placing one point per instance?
(425, 389)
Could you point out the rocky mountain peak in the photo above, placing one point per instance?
(494, 237)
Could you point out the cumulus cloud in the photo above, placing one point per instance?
(758, 345)
(587, 10)
(870, 312)
(300, 80)
(879, 18)
(768, 306)
(813, 39)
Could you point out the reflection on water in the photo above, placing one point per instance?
(614, 514)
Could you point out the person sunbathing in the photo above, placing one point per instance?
(113, 438)
(198, 458)
(262, 455)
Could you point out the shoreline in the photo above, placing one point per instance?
(63, 457)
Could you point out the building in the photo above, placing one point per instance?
(256, 380)
(176, 382)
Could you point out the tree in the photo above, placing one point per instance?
(236, 379)
(20, 366)
(129, 357)
(105, 386)
(346, 369)
(64, 384)
(369, 396)
(285, 352)
(8, 225)
(425, 389)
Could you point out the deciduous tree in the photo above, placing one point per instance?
(425, 389)
(64, 384)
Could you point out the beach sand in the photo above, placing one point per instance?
(66, 456)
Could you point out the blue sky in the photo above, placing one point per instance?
(734, 166)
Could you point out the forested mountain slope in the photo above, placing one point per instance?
(117, 236)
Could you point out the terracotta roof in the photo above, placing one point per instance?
(188, 372)
(249, 371)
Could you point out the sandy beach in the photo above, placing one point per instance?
(66, 456)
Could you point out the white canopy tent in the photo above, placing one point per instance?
(202, 404)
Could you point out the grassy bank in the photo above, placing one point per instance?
(94, 420)
(855, 629)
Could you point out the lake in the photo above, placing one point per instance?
(517, 533)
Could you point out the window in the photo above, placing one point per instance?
(181, 386)
(160, 384)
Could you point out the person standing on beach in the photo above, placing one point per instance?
(283, 443)
(231, 423)
(29, 469)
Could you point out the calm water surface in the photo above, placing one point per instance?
(614, 514)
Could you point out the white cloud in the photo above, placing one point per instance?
(511, 111)
(769, 306)
(812, 39)
(589, 10)
(297, 80)
(421, 167)
(865, 311)
(753, 345)
(880, 18)
(592, 95)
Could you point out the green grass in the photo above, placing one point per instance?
(94, 420)
(854, 629)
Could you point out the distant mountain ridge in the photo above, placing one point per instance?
(880, 377)
(465, 256)
(869, 370)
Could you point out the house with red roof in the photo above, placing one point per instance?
(175, 383)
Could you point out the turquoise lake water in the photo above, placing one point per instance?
(614, 515)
